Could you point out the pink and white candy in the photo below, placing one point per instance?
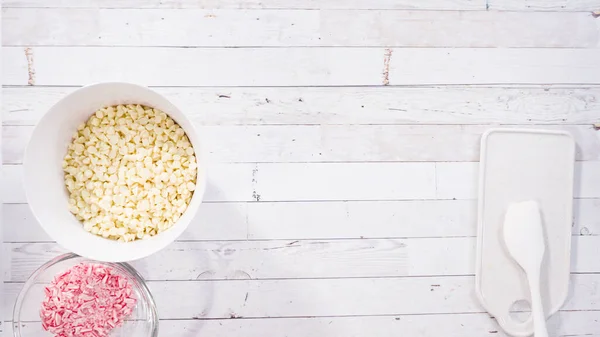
(88, 300)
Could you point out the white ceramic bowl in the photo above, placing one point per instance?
(44, 178)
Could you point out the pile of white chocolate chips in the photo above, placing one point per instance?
(130, 172)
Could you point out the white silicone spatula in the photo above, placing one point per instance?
(524, 238)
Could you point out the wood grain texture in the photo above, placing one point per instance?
(253, 4)
(335, 143)
(344, 181)
(320, 220)
(338, 181)
(325, 297)
(311, 220)
(299, 259)
(564, 323)
(296, 28)
(481, 66)
(282, 259)
(544, 5)
(237, 67)
(459, 180)
(349, 105)
(300, 66)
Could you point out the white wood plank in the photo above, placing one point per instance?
(11, 180)
(469, 325)
(459, 180)
(587, 182)
(312, 220)
(300, 259)
(211, 66)
(301, 66)
(318, 220)
(281, 259)
(338, 181)
(387, 181)
(349, 105)
(462, 29)
(363, 219)
(481, 66)
(162, 27)
(585, 222)
(254, 4)
(335, 143)
(15, 66)
(325, 297)
(382, 181)
(380, 219)
(543, 5)
(248, 28)
(340, 297)
(564, 323)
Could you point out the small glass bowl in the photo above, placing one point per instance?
(142, 322)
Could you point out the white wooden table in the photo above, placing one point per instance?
(343, 141)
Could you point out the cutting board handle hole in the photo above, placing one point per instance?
(520, 311)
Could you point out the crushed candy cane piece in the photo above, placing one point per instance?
(88, 300)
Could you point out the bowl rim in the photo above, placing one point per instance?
(195, 202)
(131, 272)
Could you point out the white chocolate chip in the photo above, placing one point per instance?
(130, 171)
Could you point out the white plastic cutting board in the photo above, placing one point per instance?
(518, 165)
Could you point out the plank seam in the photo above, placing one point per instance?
(282, 46)
(311, 239)
(339, 316)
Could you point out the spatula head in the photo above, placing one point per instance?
(524, 234)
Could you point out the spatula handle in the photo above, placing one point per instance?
(537, 309)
